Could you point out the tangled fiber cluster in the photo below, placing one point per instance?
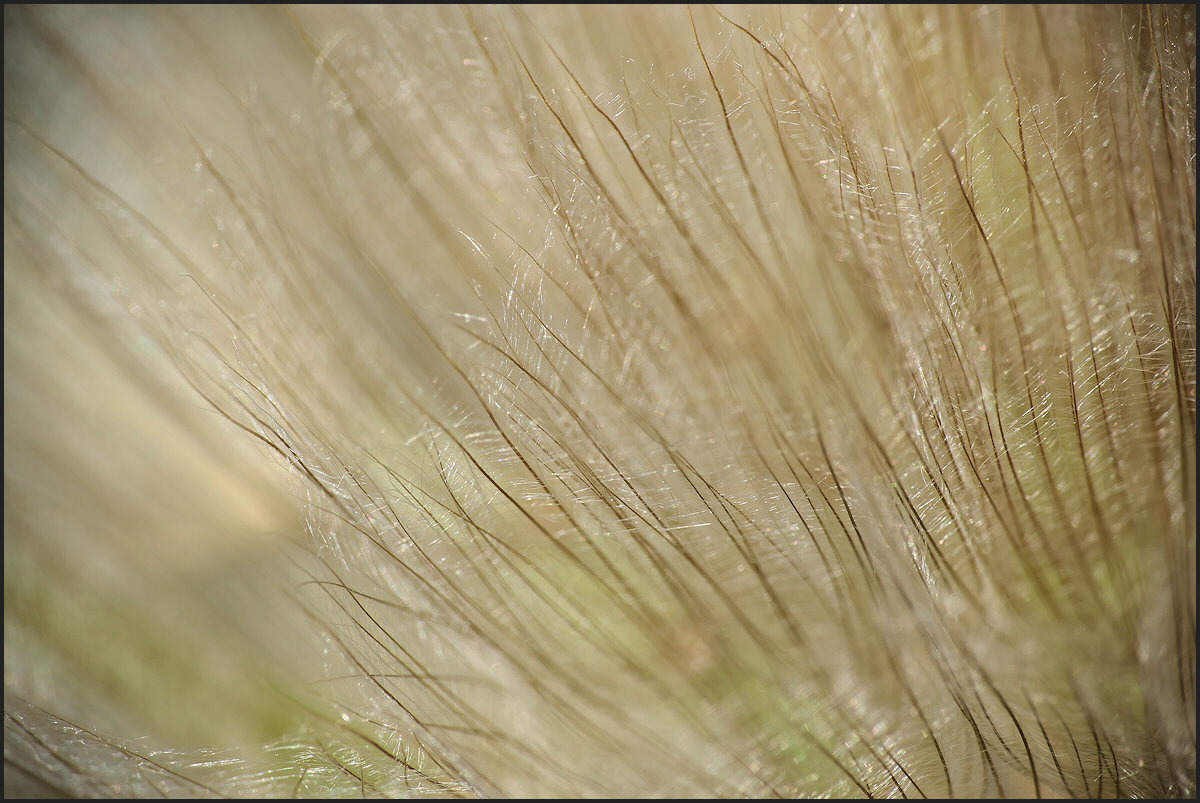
(600, 401)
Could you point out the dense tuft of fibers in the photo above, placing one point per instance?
(600, 401)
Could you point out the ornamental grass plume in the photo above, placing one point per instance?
(600, 401)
